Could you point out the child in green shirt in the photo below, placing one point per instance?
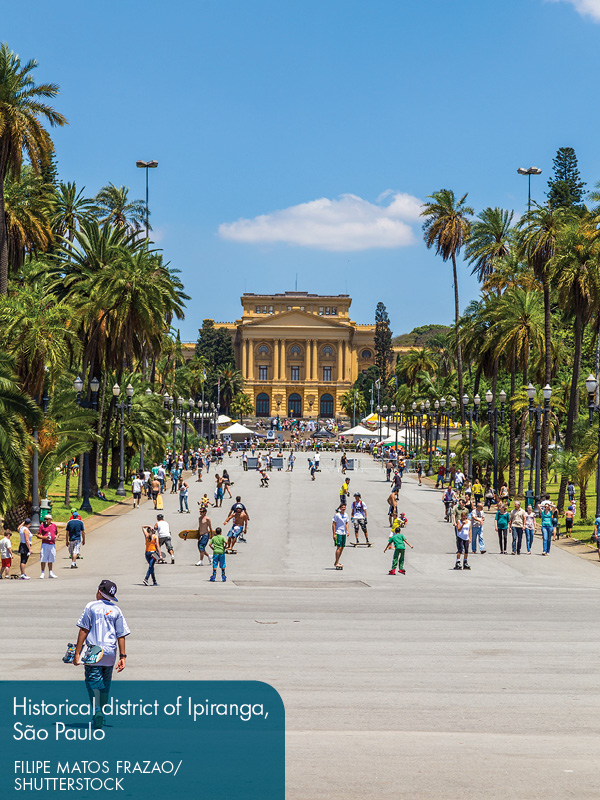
(399, 542)
(218, 544)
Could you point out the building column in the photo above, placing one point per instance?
(346, 361)
(283, 362)
(314, 359)
(276, 359)
(244, 359)
(307, 360)
(250, 360)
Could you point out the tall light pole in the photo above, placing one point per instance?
(147, 165)
(493, 419)
(35, 476)
(120, 407)
(529, 171)
(93, 404)
(537, 411)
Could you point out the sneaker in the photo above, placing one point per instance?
(98, 721)
(145, 581)
(199, 563)
(402, 572)
(223, 578)
(466, 566)
(213, 578)
(482, 552)
(73, 565)
(155, 583)
(42, 575)
(51, 575)
(392, 572)
(172, 559)
(24, 577)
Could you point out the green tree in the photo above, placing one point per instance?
(447, 228)
(231, 383)
(565, 189)
(242, 405)
(115, 208)
(412, 363)
(69, 209)
(383, 342)
(27, 210)
(21, 131)
(490, 241)
(353, 404)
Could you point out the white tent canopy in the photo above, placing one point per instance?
(360, 432)
(237, 430)
(223, 418)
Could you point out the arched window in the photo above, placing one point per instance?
(326, 406)
(327, 350)
(262, 405)
(295, 405)
(295, 351)
(366, 354)
(263, 350)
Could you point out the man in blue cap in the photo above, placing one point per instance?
(75, 537)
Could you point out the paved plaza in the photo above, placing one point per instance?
(437, 684)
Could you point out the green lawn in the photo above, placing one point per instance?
(61, 513)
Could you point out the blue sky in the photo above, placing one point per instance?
(298, 138)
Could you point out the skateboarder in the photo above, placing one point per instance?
(102, 623)
(463, 535)
(339, 527)
(392, 502)
(217, 545)
(398, 542)
(163, 530)
(359, 517)
(239, 517)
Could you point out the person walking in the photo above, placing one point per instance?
(339, 527)
(477, 492)
(344, 491)
(47, 533)
(102, 624)
(24, 547)
(501, 522)
(5, 553)
(463, 535)
(398, 541)
(183, 489)
(517, 525)
(441, 476)
(155, 490)
(75, 537)
(596, 535)
(392, 502)
(152, 553)
(546, 509)
(569, 517)
(205, 531)
(489, 497)
(529, 528)
(477, 521)
(419, 471)
(137, 484)
(218, 491)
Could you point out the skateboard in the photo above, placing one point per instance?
(361, 544)
(159, 502)
(92, 655)
(188, 534)
(231, 552)
(340, 567)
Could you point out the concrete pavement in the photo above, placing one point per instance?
(434, 684)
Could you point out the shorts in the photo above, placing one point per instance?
(360, 521)
(6, 562)
(462, 545)
(165, 540)
(219, 560)
(154, 495)
(74, 547)
(235, 531)
(569, 524)
(340, 540)
(202, 542)
(48, 553)
(219, 494)
(24, 553)
(391, 511)
(137, 495)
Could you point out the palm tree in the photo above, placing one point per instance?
(113, 204)
(489, 242)
(446, 228)
(242, 405)
(353, 404)
(27, 217)
(577, 279)
(21, 131)
(413, 362)
(69, 209)
(232, 382)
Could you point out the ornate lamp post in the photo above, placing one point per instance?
(204, 413)
(429, 431)
(92, 403)
(469, 412)
(535, 411)
(493, 420)
(35, 477)
(120, 407)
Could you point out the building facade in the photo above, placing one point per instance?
(299, 352)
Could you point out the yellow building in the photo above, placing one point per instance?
(299, 352)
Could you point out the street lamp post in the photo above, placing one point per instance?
(92, 404)
(148, 393)
(147, 165)
(120, 407)
(192, 405)
(204, 414)
(529, 171)
(591, 385)
(493, 420)
(537, 412)
(429, 430)
(35, 477)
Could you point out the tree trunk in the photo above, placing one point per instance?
(95, 452)
(583, 507)
(80, 478)
(573, 411)
(68, 484)
(106, 442)
(512, 431)
(114, 467)
(522, 452)
(3, 229)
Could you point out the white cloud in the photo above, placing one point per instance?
(587, 8)
(343, 224)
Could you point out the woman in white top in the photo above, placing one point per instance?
(529, 528)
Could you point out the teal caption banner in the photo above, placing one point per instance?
(213, 739)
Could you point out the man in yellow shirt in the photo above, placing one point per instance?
(477, 492)
(344, 491)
